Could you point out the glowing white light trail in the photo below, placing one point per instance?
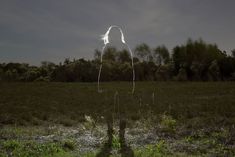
(105, 38)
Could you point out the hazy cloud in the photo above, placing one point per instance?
(33, 31)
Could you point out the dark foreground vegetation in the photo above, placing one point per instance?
(68, 119)
(193, 61)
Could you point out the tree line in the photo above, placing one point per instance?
(195, 60)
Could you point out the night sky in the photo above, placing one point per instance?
(51, 30)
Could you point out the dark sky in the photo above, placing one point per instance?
(36, 30)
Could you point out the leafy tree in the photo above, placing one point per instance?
(106, 73)
(124, 56)
(1, 72)
(227, 67)
(126, 72)
(196, 56)
(139, 71)
(178, 57)
(233, 53)
(196, 69)
(161, 55)
(67, 61)
(214, 71)
(46, 69)
(97, 54)
(110, 54)
(182, 75)
(32, 74)
(194, 60)
(143, 52)
(163, 73)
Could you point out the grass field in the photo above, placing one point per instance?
(180, 119)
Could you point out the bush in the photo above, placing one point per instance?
(182, 75)
(69, 144)
(168, 123)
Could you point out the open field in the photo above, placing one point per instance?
(68, 119)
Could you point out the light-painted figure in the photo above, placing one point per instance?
(105, 38)
(117, 110)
